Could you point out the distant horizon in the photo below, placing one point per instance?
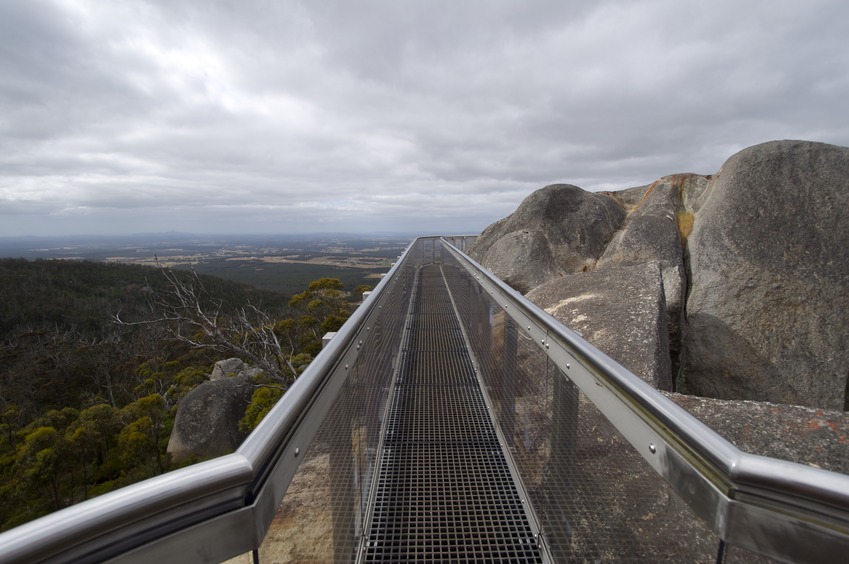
(139, 245)
(262, 226)
(229, 235)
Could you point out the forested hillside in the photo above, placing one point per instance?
(95, 357)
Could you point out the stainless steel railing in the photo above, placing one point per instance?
(221, 508)
(613, 469)
(773, 507)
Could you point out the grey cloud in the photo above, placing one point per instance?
(291, 115)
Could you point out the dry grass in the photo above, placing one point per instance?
(685, 221)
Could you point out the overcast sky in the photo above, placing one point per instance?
(364, 116)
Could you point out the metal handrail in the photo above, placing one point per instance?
(210, 511)
(778, 508)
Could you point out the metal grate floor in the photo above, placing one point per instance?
(444, 489)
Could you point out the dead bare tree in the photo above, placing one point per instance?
(194, 316)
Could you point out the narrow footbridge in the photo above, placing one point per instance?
(452, 420)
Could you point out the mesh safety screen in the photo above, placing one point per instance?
(321, 516)
(441, 485)
(595, 498)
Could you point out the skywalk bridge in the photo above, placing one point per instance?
(453, 420)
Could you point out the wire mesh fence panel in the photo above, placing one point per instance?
(594, 496)
(321, 516)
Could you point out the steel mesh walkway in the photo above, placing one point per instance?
(444, 488)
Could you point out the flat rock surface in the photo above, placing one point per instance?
(621, 311)
(816, 437)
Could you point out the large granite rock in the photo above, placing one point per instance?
(620, 310)
(766, 319)
(753, 262)
(207, 422)
(559, 229)
(768, 308)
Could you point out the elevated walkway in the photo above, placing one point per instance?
(444, 490)
(453, 420)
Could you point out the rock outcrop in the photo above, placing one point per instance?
(559, 229)
(752, 262)
(768, 308)
(653, 232)
(232, 367)
(627, 297)
(207, 422)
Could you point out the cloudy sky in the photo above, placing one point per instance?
(414, 116)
